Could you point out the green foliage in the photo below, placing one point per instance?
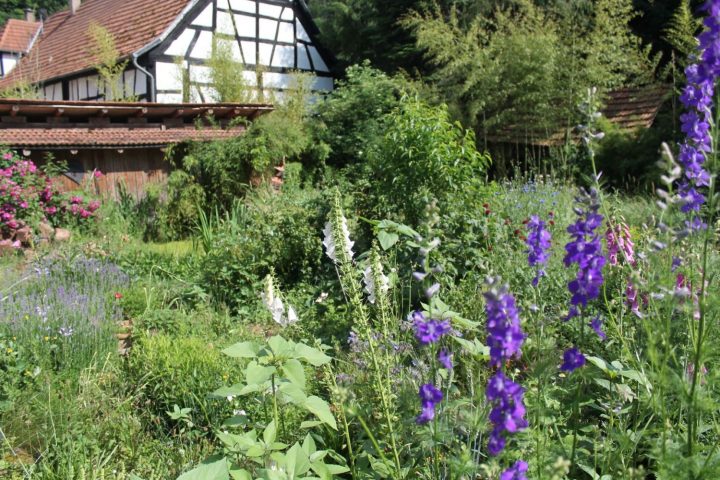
(616, 56)
(681, 30)
(353, 114)
(268, 229)
(211, 175)
(523, 69)
(422, 155)
(106, 57)
(179, 371)
(275, 370)
(226, 73)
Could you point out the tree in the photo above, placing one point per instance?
(615, 55)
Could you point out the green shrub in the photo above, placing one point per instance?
(170, 371)
(423, 155)
(270, 230)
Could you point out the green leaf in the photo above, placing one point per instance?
(257, 374)
(270, 432)
(387, 239)
(232, 391)
(311, 355)
(280, 347)
(294, 394)
(320, 409)
(297, 460)
(240, 474)
(294, 372)
(208, 470)
(242, 350)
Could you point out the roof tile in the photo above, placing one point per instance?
(109, 137)
(64, 44)
(16, 36)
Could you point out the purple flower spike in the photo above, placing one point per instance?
(516, 472)
(538, 242)
(429, 331)
(505, 337)
(572, 360)
(429, 398)
(585, 250)
(445, 359)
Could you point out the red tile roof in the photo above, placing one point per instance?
(16, 36)
(63, 46)
(128, 137)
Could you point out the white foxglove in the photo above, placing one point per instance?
(371, 288)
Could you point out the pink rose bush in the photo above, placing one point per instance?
(28, 197)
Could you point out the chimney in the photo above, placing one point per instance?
(74, 5)
(29, 15)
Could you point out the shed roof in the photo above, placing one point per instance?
(629, 109)
(17, 36)
(69, 125)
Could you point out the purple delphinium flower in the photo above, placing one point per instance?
(429, 398)
(572, 360)
(697, 97)
(445, 359)
(505, 338)
(516, 472)
(429, 331)
(596, 324)
(585, 250)
(508, 412)
(538, 242)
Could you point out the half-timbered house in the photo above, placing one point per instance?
(17, 37)
(167, 45)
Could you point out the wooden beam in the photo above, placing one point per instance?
(14, 111)
(141, 112)
(59, 112)
(178, 113)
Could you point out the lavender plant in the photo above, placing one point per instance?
(65, 309)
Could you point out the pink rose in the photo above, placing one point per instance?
(98, 174)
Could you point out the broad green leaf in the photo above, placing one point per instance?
(298, 462)
(309, 444)
(320, 409)
(270, 432)
(474, 347)
(293, 393)
(294, 372)
(257, 450)
(387, 239)
(208, 470)
(598, 362)
(236, 421)
(232, 391)
(311, 355)
(242, 350)
(280, 347)
(256, 374)
(240, 474)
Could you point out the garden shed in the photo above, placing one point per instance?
(124, 141)
(631, 110)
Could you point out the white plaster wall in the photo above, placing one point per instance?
(168, 76)
(8, 62)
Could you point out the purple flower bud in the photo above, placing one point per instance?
(572, 360)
